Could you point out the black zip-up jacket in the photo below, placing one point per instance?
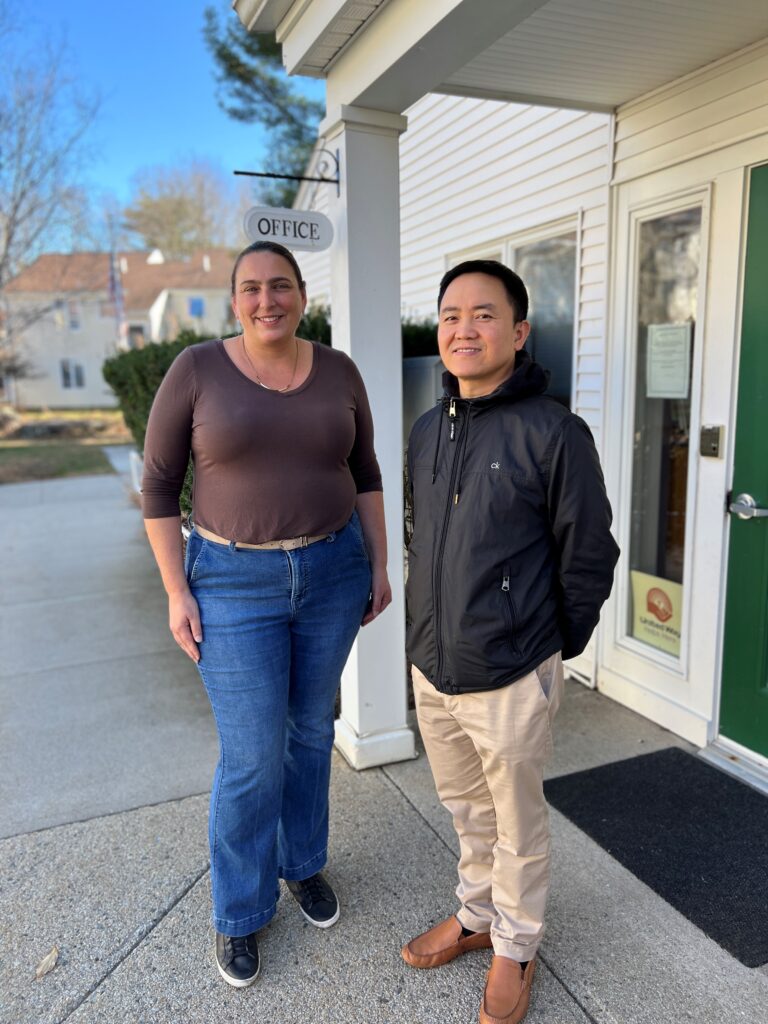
(511, 557)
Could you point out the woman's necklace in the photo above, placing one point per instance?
(258, 378)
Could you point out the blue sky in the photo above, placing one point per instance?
(148, 62)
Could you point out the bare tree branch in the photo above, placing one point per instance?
(186, 207)
(44, 121)
(253, 88)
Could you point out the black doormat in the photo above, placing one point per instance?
(693, 834)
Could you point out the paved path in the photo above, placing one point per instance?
(101, 712)
(106, 751)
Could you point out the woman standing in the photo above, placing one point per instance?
(286, 560)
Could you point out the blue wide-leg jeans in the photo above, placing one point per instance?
(277, 629)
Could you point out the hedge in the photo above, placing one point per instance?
(135, 376)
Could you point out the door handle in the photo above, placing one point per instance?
(745, 507)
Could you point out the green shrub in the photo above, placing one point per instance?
(134, 377)
(316, 325)
(419, 336)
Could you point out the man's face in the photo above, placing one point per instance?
(478, 335)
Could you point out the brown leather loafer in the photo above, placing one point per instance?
(507, 991)
(442, 944)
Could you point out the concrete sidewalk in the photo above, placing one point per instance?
(106, 752)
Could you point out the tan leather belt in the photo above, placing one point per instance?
(271, 545)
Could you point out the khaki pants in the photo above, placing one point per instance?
(487, 753)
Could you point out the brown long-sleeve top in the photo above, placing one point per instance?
(268, 465)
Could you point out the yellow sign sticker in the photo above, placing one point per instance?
(657, 612)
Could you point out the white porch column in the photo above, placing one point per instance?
(365, 308)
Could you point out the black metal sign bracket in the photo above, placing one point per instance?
(322, 165)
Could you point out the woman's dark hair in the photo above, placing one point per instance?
(278, 250)
(513, 284)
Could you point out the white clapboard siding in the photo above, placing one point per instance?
(475, 174)
(721, 104)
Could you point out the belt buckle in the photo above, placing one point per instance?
(304, 541)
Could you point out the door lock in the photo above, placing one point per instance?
(745, 507)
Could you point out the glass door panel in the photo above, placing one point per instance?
(548, 268)
(669, 250)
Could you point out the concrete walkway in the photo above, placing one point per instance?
(106, 753)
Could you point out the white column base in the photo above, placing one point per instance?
(375, 749)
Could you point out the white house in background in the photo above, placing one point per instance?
(66, 346)
(617, 154)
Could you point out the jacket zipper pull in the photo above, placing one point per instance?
(452, 414)
(505, 584)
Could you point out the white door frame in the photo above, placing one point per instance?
(681, 695)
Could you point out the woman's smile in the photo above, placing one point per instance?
(268, 300)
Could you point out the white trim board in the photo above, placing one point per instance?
(743, 764)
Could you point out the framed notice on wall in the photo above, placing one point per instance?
(668, 367)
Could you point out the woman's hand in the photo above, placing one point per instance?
(184, 621)
(381, 595)
(183, 614)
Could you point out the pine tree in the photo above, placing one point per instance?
(253, 88)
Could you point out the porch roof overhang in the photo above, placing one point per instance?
(587, 54)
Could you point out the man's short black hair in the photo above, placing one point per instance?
(513, 284)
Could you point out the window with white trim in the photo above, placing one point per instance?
(136, 336)
(548, 268)
(72, 374)
(73, 314)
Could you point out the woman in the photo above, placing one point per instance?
(286, 559)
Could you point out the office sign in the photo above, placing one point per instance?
(295, 229)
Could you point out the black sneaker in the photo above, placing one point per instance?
(317, 900)
(237, 958)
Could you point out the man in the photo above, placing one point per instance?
(510, 561)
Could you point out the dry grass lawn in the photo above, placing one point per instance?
(22, 462)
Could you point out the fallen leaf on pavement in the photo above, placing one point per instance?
(47, 963)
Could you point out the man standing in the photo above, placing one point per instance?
(510, 561)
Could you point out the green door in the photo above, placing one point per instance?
(744, 705)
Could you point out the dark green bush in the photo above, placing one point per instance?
(316, 325)
(135, 377)
(419, 336)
